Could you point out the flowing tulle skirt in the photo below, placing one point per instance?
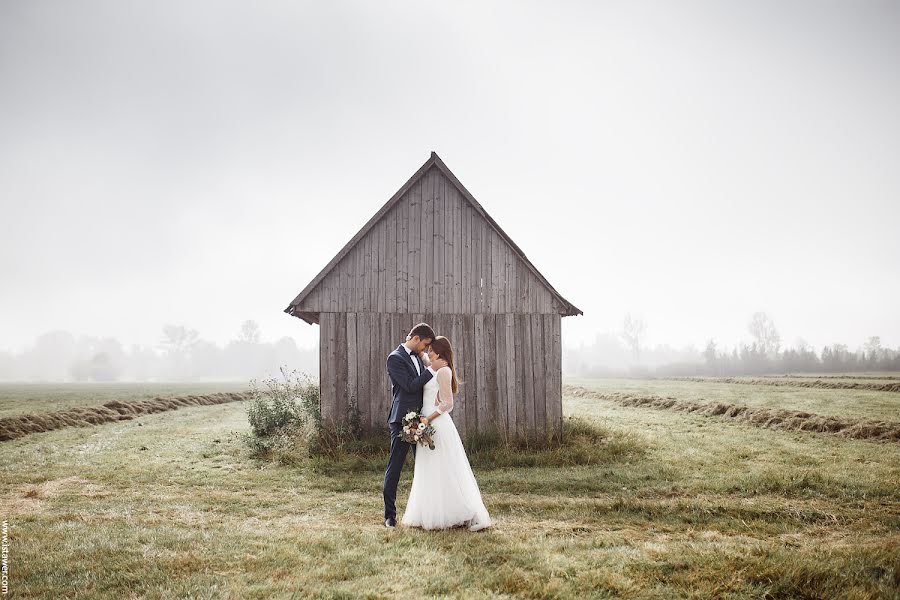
(444, 492)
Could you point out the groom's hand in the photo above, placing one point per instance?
(439, 364)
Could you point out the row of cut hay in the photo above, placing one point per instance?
(819, 383)
(115, 410)
(771, 418)
(866, 377)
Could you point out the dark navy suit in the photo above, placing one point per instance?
(406, 386)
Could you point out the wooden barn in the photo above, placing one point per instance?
(433, 254)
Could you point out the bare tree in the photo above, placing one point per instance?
(179, 343)
(633, 332)
(763, 330)
(178, 339)
(710, 356)
(873, 345)
(249, 332)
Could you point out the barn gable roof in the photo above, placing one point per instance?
(433, 161)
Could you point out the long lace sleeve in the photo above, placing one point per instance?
(445, 390)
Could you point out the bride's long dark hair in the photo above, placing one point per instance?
(441, 346)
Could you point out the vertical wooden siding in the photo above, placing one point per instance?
(509, 367)
(432, 252)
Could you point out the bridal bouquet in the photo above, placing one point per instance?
(416, 432)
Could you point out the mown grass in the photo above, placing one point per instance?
(655, 504)
(853, 376)
(585, 444)
(828, 402)
(18, 398)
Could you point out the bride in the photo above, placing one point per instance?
(444, 492)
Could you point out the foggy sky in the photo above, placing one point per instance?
(688, 162)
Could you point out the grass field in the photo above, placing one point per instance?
(18, 398)
(839, 403)
(678, 505)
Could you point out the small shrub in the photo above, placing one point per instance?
(277, 405)
(286, 446)
(284, 415)
(286, 422)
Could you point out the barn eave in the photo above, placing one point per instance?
(310, 317)
(572, 311)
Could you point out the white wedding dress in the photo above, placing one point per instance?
(444, 492)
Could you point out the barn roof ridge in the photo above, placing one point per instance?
(433, 161)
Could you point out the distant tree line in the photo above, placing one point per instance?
(837, 358)
(622, 354)
(181, 355)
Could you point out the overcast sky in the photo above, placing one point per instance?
(689, 162)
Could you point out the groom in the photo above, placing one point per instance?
(408, 376)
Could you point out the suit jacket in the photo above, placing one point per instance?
(406, 384)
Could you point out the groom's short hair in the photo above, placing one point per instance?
(423, 330)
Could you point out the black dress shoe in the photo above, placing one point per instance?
(390, 522)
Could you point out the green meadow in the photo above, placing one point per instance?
(645, 503)
(19, 398)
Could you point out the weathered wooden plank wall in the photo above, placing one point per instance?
(508, 366)
(432, 251)
(434, 258)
